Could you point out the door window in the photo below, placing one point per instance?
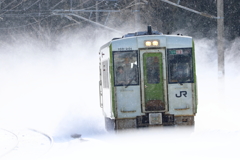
(105, 74)
(153, 72)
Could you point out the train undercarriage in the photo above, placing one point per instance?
(149, 120)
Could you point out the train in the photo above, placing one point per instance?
(148, 79)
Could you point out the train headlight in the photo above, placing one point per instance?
(155, 43)
(151, 43)
(148, 43)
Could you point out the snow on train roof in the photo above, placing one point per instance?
(141, 34)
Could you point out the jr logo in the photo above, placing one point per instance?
(182, 93)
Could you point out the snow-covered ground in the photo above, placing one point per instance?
(23, 143)
(56, 91)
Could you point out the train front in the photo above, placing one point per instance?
(152, 81)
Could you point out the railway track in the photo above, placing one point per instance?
(23, 144)
(8, 142)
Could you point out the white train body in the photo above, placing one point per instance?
(139, 81)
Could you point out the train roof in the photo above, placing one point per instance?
(141, 33)
(149, 32)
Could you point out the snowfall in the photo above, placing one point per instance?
(54, 90)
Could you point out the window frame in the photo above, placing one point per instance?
(114, 68)
(191, 67)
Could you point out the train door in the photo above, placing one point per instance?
(153, 80)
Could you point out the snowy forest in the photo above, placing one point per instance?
(46, 19)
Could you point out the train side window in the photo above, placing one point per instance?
(152, 66)
(180, 68)
(105, 74)
(125, 68)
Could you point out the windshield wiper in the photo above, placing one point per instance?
(130, 82)
(135, 76)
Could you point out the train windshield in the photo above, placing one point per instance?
(180, 69)
(125, 68)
